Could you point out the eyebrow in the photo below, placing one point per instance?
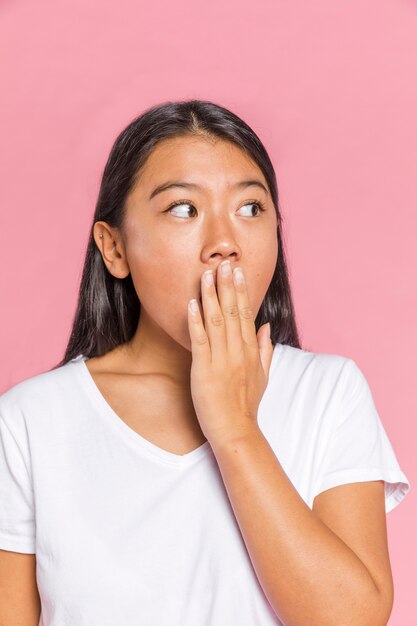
(242, 184)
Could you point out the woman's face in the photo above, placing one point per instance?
(168, 249)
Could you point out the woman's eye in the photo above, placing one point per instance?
(182, 203)
(260, 205)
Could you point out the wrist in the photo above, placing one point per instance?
(232, 438)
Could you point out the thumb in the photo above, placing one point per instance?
(266, 347)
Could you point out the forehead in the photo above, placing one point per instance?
(202, 159)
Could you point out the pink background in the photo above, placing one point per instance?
(331, 89)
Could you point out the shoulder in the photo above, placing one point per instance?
(306, 389)
(36, 393)
(312, 367)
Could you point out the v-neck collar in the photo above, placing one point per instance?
(104, 408)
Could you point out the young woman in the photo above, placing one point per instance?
(185, 467)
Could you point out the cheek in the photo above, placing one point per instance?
(147, 258)
(262, 270)
(155, 285)
(158, 277)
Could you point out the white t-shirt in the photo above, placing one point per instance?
(129, 534)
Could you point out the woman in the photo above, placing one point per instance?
(183, 467)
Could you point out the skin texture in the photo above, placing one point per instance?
(167, 252)
(19, 598)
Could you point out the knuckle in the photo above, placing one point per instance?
(246, 312)
(217, 319)
(201, 340)
(232, 310)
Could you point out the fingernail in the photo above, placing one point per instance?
(238, 276)
(193, 306)
(208, 276)
(226, 268)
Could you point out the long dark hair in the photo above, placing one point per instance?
(108, 308)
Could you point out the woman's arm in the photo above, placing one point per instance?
(309, 574)
(19, 598)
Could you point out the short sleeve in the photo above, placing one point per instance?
(359, 449)
(17, 523)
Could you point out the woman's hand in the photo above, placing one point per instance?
(230, 366)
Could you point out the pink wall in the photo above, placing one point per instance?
(331, 89)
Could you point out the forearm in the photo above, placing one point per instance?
(309, 575)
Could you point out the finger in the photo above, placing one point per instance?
(200, 345)
(228, 303)
(247, 319)
(213, 316)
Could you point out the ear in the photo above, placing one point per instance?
(110, 244)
